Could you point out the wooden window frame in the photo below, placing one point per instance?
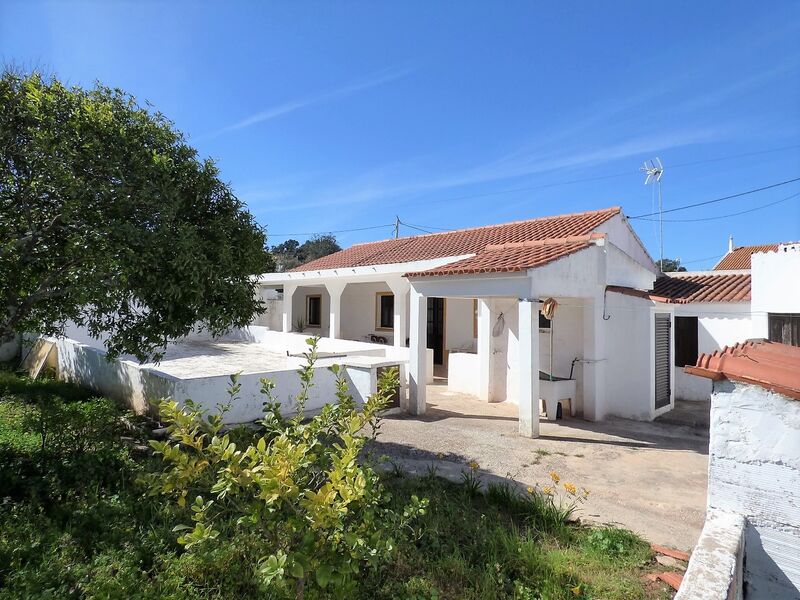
(308, 310)
(378, 296)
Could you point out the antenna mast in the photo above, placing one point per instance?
(654, 170)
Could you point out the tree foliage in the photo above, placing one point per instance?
(300, 486)
(292, 253)
(109, 219)
(669, 265)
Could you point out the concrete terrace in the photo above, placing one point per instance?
(648, 477)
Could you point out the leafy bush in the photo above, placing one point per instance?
(299, 487)
(615, 543)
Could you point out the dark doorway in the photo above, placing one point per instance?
(436, 329)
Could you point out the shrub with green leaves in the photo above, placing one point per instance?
(300, 486)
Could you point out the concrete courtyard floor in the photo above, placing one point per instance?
(648, 477)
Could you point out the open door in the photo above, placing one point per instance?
(436, 329)
(662, 362)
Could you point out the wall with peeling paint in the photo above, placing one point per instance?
(754, 470)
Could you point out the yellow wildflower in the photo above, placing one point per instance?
(570, 487)
(554, 476)
(576, 591)
(531, 490)
(548, 490)
(473, 464)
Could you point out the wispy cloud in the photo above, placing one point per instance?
(393, 183)
(375, 80)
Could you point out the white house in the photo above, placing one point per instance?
(473, 297)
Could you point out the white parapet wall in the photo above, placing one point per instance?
(199, 368)
(754, 471)
(716, 568)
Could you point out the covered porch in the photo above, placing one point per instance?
(513, 345)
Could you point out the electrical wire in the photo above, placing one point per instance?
(706, 202)
(332, 231)
(741, 212)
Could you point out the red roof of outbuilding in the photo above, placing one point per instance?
(463, 241)
(683, 289)
(739, 258)
(771, 365)
(694, 287)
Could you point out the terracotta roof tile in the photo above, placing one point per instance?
(694, 287)
(771, 365)
(462, 241)
(739, 258)
(512, 257)
(683, 289)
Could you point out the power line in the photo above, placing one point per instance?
(425, 227)
(415, 227)
(331, 231)
(741, 212)
(704, 203)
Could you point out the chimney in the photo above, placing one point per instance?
(730, 243)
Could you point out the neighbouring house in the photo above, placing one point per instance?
(750, 545)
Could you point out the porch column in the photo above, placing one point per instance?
(529, 367)
(418, 353)
(400, 291)
(484, 351)
(594, 366)
(335, 289)
(288, 292)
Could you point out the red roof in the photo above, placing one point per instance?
(739, 258)
(505, 258)
(694, 287)
(683, 289)
(462, 241)
(771, 365)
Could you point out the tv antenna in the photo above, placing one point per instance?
(654, 170)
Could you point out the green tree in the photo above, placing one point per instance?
(292, 253)
(669, 265)
(109, 219)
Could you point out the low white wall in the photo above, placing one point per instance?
(138, 386)
(122, 380)
(718, 325)
(716, 569)
(459, 326)
(208, 392)
(754, 470)
(463, 373)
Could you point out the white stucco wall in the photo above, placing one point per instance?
(359, 311)
(272, 318)
(629, 363)
(621, 235)
(775, 285)
(299, 309)
(754, 470)
(718, 325)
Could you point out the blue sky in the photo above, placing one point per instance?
(326, 116)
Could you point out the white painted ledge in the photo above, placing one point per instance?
(715, 569)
